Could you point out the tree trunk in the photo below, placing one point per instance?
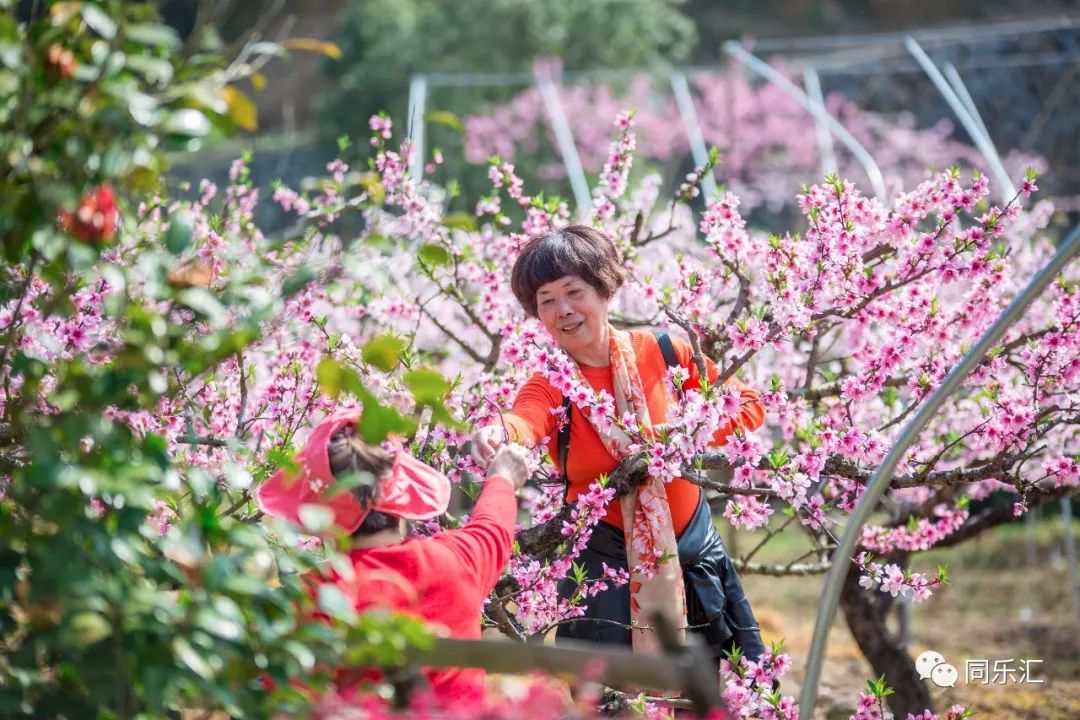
(865, 612)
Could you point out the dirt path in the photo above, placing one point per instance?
(978, 616)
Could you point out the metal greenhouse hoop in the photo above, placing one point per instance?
(879, 481)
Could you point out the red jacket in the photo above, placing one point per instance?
(442, 580)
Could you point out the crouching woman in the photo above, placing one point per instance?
(441, 579)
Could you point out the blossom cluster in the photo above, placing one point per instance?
(539, 603)
(843, 325)
(751, 686)
(871, 707)
(890, 578)
(758, 128)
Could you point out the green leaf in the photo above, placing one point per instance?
(334, 603)
(383, 352)
(323, 47)
(190, 657)
(443, 117)
(86, 628)
(378, 421)
(460, 221)
(155, 70)
(241, 108)
(427, 386)
(303, 655)
(201, 301)
(98, 20)
(578, 572)
(331, 376)
(296, 282)
(178, 236)
(154, 34)
(778, 457)
(315, 518)
(435, 255)
(187, 122)
(216, 624)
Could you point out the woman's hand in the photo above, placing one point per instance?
(510, 464)
(486, 442)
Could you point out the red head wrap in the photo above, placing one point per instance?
(409, 490)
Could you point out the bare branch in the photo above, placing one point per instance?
(542, 540)
(505, 622)
(698, 357)
(203, 440)
(725, 488)
(743, 297)
(781, 570)
(469, 349)
(999, 515)
(243, 396)
(834, 389)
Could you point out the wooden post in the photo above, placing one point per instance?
(684, 670)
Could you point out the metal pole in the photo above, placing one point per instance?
(824, 138)
(879, 481)
(1006, 188)
(952, 35)
(685, 101)
(769, 73)
(415, 124)
(1070, 557)
(957, 83)
(953, 76)
(564, 136)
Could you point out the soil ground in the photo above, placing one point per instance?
(981, 614)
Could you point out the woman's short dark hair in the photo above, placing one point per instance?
(575, 250)
(350, 455)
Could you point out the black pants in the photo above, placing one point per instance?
(716, 606)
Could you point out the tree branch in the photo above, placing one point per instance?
(993, 516)
(243, 396)
(697, 357)
(781, 570)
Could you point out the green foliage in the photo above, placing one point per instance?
(89, 94)
(101, 613)
(878, 688)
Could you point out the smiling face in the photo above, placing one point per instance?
(576, 315)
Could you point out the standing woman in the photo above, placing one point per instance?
(567, 279)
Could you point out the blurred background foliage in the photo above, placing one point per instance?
(1022, 83)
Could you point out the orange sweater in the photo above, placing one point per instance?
(531, 420)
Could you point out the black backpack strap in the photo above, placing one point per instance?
(562, 442)
(667, 348)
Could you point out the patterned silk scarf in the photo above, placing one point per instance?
(650, 534)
